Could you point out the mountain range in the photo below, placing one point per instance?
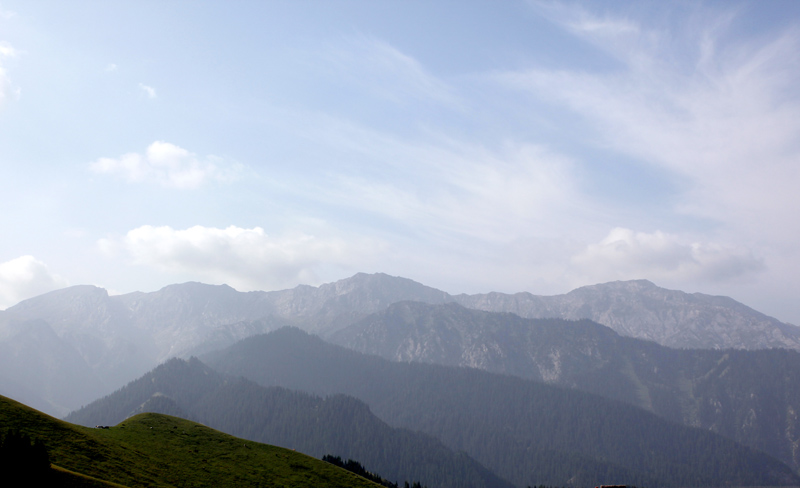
(107, 341)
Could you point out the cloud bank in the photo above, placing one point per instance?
(26, 277)
(247, 259)
(665, 258)
(167, 165)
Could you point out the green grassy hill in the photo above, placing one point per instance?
(155, 450)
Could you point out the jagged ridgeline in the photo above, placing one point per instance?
(337, 424)
(156, 450)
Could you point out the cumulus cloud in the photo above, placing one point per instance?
(26, 277)
(167, 165)
(247, 259)
(148, 90)
(625, 254)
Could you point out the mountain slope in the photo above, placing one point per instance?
(527, 432)
(160, 451)
(44, 370)
(750, 396)
(338, 425)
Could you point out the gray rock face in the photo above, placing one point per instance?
(553, 351)
(643, 310)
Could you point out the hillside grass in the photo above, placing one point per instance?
(152, 450)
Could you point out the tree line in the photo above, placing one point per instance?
(356, 467)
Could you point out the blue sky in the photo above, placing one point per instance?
(471, 146)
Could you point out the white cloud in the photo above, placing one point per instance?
(167, 165)
(26, 277)
(6, 51)
(148, 90)
(113, 67)
(664, 258)
(247, 259)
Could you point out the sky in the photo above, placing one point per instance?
(472, 146)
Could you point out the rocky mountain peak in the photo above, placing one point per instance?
(75, 295)
(626, 286)
(641, 309)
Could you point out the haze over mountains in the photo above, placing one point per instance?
(736, 373)
(107, 341)
(525, 432)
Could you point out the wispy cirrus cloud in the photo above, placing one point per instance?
(149, 91)
(722, 114)
(26, 277)
(440, 186)
(7, 14)
(468, 190)
(167, 165)
(247, 259)
(6, 88)
(387, 72)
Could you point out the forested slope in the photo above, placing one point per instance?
(752, 397)
(527, 432)
(337, 425)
